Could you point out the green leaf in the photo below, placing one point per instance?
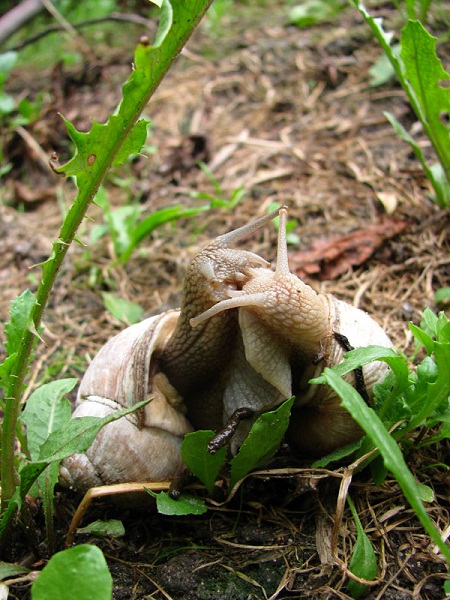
(363, 356)
(401, 132)
(184, 505)
(337, 455)
(382, 70)
(79, 434)
(74, 574)
(311, 12)
(447, 586)
(441, 180)
(369, 421)
(156, 219)
(426, 493)
(426, 75)
(438, 390)
(6, 368)
(165, 23)
(363, 563)
(20, 312)
(46, 410)
(136, 139)
(429, 322)
(7, 62)
(110, 528)
(10, 570)
(420, 73)
(124, 310)
(262, 442)
(206, 466)
(104, 144)
(442, 295)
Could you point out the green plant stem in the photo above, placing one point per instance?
(442, 153)
(50, 270)
(161, 59)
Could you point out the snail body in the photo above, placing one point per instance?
(246, 336)
(290, 333)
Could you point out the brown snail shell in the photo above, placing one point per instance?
(145, 445)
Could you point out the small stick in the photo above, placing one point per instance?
(109, 490)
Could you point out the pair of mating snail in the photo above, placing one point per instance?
(245, 337)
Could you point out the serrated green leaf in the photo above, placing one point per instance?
(6, 368)
(184, 505)
(20, 312)
(124, 310)
(426, 493)
(206, 466)
(262, 442)
(109, 528)
(134, 142)
(103, 146)
(363, 562)
(46, 410)
(426, 77)
(74, 574)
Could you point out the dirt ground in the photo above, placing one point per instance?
(290, 117)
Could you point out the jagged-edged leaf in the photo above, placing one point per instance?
(20, 312)
(110, 143)
(426, 76)
(46, 410)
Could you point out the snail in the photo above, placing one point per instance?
(245, 337)
(290, 333)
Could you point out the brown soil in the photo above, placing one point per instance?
(290, 116)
